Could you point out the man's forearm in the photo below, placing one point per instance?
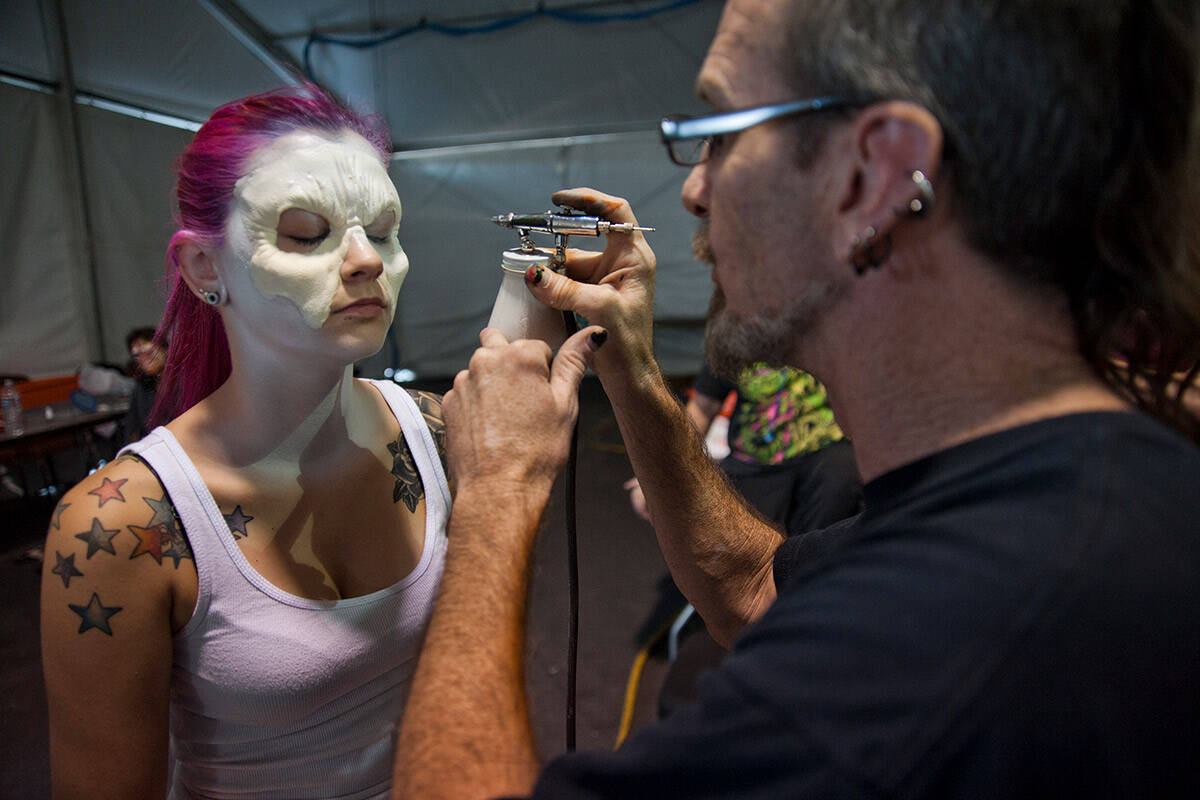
(465, 732)
(719, 551)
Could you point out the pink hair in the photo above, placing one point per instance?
(198, 352)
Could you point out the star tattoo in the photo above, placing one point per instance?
(110, 490)
(408, 482)
(164, 512)
(95, 615)
(150, 541)
(175, 545)
(65, 568)
(237, 522)
(98, 538)
(56, 520)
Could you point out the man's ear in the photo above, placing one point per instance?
(197, 264)
(889, 142)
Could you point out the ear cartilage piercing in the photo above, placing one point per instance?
(920, 205)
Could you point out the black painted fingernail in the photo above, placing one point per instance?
(599, 338)
(533, 275)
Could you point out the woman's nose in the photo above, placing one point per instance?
(362, 262)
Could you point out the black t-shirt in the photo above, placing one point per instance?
(1018, 616)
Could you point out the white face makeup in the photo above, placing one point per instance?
(335, 186)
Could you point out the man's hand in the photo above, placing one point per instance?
(509, 416)
(613, 288)
(465, 731)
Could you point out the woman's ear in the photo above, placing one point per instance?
(197, 266)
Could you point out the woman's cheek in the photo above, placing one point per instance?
(395, 267)
(310, 281)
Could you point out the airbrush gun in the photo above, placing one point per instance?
(519, 315)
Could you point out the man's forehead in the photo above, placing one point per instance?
(742, 64)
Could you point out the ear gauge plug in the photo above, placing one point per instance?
(214, 298)
(869, 250)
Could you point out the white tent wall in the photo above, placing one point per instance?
(567, 104)
(128, 174)
(171, 56)
(45, 296)
(544, 77)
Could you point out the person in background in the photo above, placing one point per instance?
(955, 214)
(233, 607)
(146, 360)
(786, 454)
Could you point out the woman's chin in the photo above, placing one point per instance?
(355, 346)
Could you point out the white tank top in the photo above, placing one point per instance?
(279, 697)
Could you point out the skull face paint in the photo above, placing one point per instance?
(336, 180)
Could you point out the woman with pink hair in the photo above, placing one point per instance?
(233, 608)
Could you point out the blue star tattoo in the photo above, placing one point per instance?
(95, 615)
(65, 568)
(164, 512)
(98, 538)
(237, 522)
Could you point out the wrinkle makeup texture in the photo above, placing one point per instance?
(339, 179)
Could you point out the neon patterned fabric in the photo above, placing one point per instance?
(781, 413)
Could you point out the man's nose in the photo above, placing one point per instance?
(695, 191)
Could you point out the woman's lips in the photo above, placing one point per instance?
(369, 307)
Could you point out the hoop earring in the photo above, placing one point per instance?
(920, 205)
(869, 250)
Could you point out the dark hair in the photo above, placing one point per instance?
(198, 354)
(1070, 143)
(145, 334)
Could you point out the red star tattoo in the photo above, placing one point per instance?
(110, 490)
(150, 540)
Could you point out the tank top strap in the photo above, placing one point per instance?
(198, 513)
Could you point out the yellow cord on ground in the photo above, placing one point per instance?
(635, 677)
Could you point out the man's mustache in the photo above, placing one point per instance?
(701, 251)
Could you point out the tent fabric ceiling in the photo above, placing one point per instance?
(540, 79)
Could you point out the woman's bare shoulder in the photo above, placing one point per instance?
(116, 525)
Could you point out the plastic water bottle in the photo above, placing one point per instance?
(14, 424)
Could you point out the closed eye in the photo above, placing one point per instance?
(307, 241)
(382, 228)
(300, 230)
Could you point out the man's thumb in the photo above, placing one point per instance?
(574, 358)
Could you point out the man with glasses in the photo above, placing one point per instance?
(974, 222)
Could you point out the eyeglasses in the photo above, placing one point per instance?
(689, 140)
